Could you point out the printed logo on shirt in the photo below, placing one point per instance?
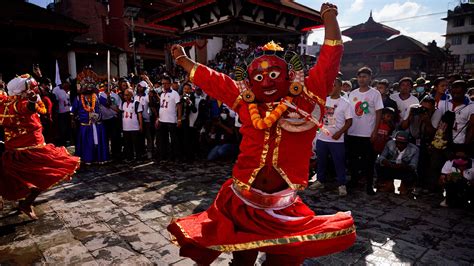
(329, 119)
(361, 107)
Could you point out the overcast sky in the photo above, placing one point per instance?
(409, 14)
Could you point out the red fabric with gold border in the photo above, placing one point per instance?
(27, 161)
(231, 225)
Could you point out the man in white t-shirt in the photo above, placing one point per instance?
(463, 127)
(63, 109)
(337, 120)
(404, 99)
(144, 101)
(132, 125)
(168, 119)
(366, 104)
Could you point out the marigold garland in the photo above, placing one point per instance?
(267, 122)
(86, 107)
(41, 108)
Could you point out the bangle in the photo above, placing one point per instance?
(328, 9)
(332, 42)
(179, 57)
(192, 73)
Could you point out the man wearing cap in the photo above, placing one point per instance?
(404, 99)
(463, 127)
(421, 86)
(398, 160)
(144, 101)
(346, 88)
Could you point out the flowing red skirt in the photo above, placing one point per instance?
(231, 225)
(39, 168)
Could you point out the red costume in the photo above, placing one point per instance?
(28, 162)
(275, 158)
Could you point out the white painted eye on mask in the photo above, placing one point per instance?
(274, 74)
(258, 77)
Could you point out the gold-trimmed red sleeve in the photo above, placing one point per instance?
(215, 84)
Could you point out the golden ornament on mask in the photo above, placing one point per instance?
(248, 96)
(296, 88)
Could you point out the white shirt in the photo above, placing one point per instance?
(337, 112)
(130, 117)
(462, 115)
(145, 103)
(63, 98)
(194, 116)
(168, 102)
(448, 169)
(364, 105)
(404, 105)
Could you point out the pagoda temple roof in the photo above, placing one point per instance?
(251, 17)
(400, 45)
(370, 28)
(23, 14)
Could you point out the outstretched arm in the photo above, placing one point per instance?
(217, 85)
(322, 75)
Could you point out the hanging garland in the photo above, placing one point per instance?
(86, 107)
(267, 122)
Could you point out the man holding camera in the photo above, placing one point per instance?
(420, 125)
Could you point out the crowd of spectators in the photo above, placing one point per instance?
(420, 132)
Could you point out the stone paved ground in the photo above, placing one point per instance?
(117, 214)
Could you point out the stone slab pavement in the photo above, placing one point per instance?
(118, 213)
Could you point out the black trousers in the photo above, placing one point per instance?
(131, 144)
(361, 157)
(168, 141)
(187, 139)
(64, 128)
(113, 131)
(459, 193)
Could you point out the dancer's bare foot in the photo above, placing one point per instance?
(28, 210)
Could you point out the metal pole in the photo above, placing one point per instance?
(134, 50)
(108, 70)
